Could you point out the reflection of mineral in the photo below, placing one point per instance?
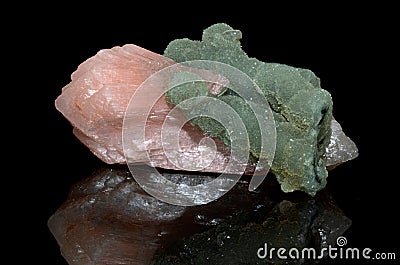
(302, 110)
(109, 219)
(305, 224)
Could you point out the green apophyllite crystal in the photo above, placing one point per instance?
(302, 110)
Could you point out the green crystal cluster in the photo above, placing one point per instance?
(302, 110)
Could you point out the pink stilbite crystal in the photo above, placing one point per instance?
(96, 100)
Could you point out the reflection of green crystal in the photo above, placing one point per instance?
(302, 110)
(305, 224)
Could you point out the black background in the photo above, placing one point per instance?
(347, 47)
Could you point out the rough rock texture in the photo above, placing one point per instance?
(302, 110)
(108, 219)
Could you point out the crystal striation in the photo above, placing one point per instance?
(96, 99)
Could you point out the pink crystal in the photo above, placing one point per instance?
(96, 100)
(100, 90)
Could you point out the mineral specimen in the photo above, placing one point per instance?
(109, 219)
(96, 100)
(302, 110)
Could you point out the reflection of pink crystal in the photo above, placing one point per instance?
(96, 100)
(108, 219)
